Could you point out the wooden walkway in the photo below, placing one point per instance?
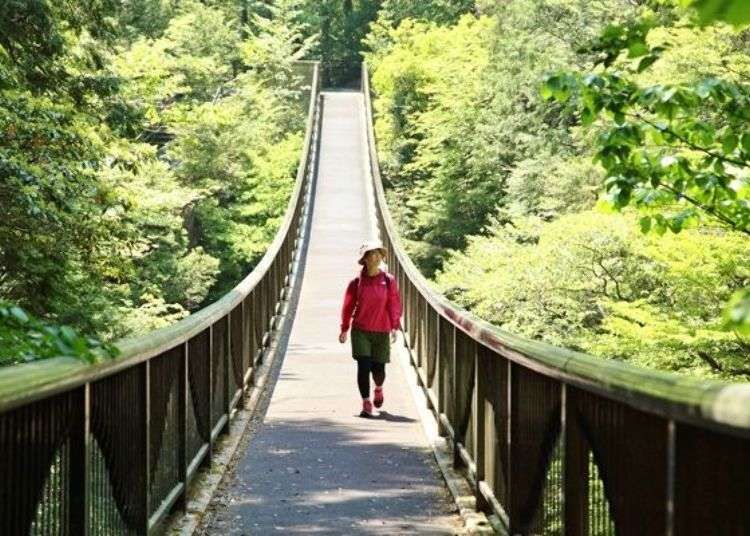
(314, 466)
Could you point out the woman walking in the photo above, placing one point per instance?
(373, 308)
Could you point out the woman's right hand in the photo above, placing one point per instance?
(342, 337)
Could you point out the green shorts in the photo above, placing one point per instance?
(373, 344)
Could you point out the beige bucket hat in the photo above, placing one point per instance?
(369, 245)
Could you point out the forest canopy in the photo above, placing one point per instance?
(576, 172)
(573, 171)
(149, 150)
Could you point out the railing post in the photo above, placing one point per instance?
(512, 403)
(263, 313)
(281, 272)
(146, 384)
(438, 374)
(413, 326)
(252, 339)
(227, 371)
(182, 428)
(478, 416)
(452, 400)
(575, 469)
(245, 349)
(408, 316)
(210, 453)
(671, 467)
(447, 367)
(260, 313)
(272, 272)
(417, 338)
(79, 466)
(421, 323)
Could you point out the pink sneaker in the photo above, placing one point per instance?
(366, 409)
(378, 400)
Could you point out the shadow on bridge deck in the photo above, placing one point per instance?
(320, 476)
(314, 466)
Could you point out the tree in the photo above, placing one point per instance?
(341, 26)
(443, 12)
(497, 194)
(137, 148)
(25, 338)
(680, 152)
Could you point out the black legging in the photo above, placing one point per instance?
(365, 366)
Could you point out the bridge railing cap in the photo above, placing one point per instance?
(21, 384)
(695, 400)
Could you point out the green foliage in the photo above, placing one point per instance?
(428, 73)
(341, 26)
(36, 34)
(25, 338)
(237, 233)
(279, 39)
(54, 207)
(738, 312)
(682, 144)
(594, 282)
(443, 12)
(149, 18)
(679, 151)
(138, 136)
(451, 172)
(736, 12)
(496, 186)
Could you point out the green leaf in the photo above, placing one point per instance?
(645, 223)
(587, 116)
(737, 313)
(68, 334)
(637, 49)
(646, 62)
(746, 142)
(735, 12)
(668, 94)
(729, 143)
(19, 314)
(545, 91)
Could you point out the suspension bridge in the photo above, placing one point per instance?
(546, 440)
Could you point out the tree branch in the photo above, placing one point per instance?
(710, 361)
(706, 208)
(690, 144)
(715, 365)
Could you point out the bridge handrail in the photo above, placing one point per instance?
(27, 382)
(112, 447)
(536, 427)
(670, 394)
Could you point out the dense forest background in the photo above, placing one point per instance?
(577, 171)
(149, 151)
(572, 171)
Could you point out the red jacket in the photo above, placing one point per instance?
(373, 302)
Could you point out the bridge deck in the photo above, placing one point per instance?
(314, 466)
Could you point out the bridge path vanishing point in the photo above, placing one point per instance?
(314, 466)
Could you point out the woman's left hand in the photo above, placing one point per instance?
(393, 336)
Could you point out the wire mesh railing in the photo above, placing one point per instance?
(111, 448)
(558, 442)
